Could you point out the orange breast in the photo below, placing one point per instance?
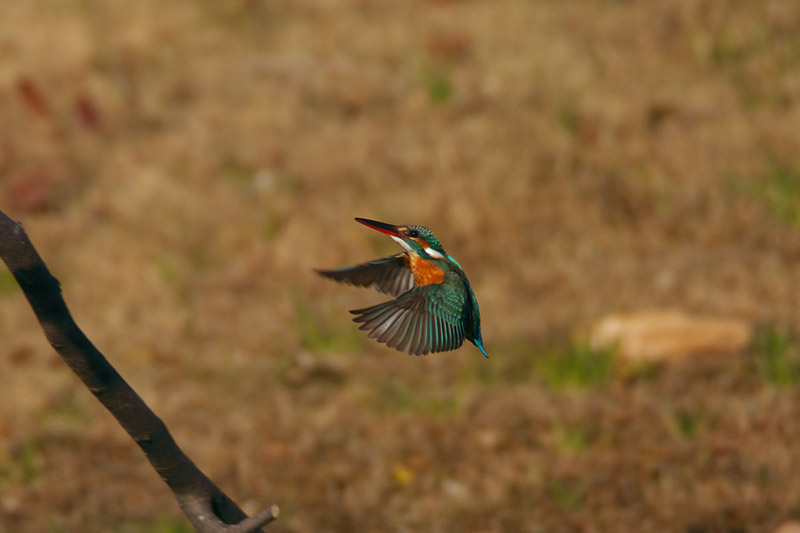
(425, 272)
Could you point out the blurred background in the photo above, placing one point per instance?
(183, 166)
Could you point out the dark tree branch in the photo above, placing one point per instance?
(206, 506)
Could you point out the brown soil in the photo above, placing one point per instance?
(183, 166)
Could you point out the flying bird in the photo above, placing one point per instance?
(434, 308)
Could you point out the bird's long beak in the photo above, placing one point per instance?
(389, 229)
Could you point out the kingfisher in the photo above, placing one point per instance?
(434, 308)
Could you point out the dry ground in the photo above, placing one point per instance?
(182, 167)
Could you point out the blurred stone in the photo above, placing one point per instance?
(488, 438)
(665, 334)
(788, 527)
(11, 505)
(455, 489)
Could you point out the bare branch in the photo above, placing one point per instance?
(205, 505)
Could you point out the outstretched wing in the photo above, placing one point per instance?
(391, 275)
(425, 319)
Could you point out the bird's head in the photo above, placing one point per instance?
(415, 239)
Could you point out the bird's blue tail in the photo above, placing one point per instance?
(479, 344)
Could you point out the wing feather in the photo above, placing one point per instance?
(421, 320)
(391, 275)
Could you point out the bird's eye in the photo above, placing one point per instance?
(413, 233)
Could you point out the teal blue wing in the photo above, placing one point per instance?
(390, 275)
(425, 319)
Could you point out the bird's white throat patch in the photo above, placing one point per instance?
(402, 243)
(430, 251)
(433, 253)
